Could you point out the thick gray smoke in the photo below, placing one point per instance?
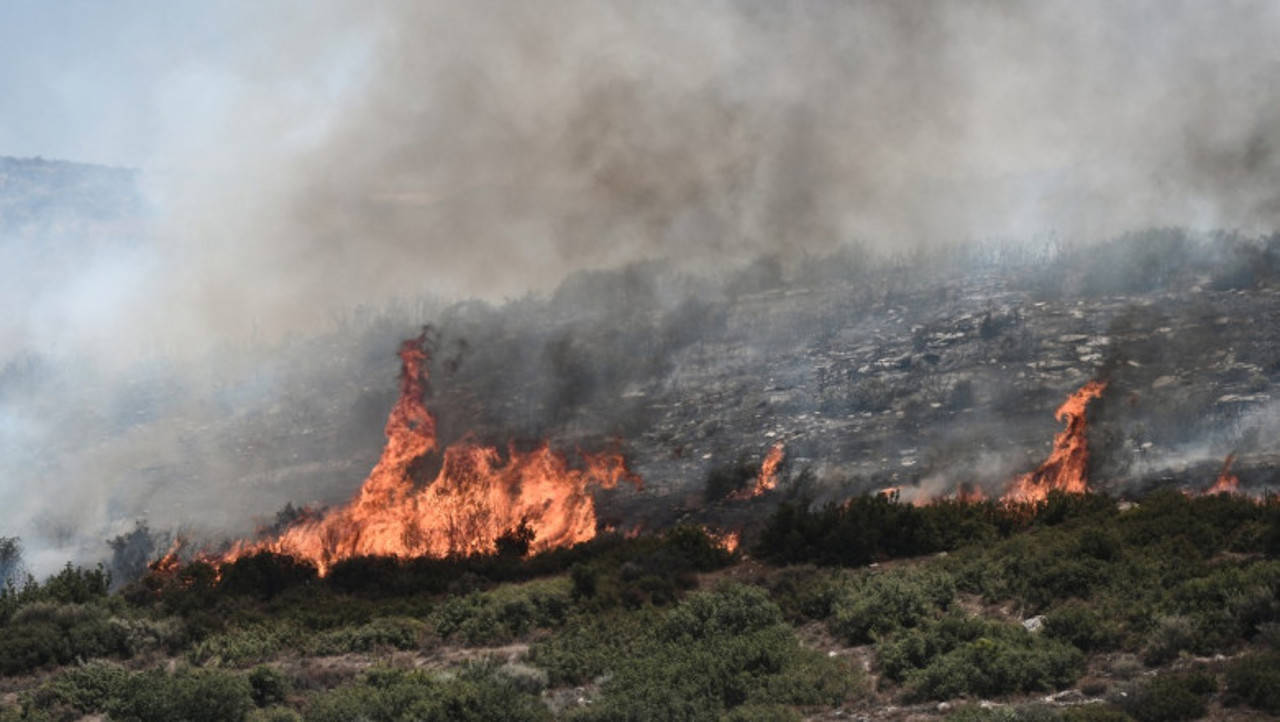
(369, 153)
(481, 149)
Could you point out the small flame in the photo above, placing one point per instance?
(767, 479)
(726, 540)
(970, 494)
(1067, 468)
(1227, 483)
(476, 497)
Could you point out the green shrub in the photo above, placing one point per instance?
(1082, 626)
(242, 647)
(83, 688)
(1169, 698)
(192, 695)
(274, 714)
(384, 632)
(1171, 636)
(960, 656)
(268, 686)
(1254, 679)
(46, 633)
(1094, 713)
(475, 694)
(714, 653)
(872, 605)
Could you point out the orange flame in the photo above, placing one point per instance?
(726, 540)
(1227, 482)
(767, 479)
(1067, 468)
(969, 494)
(476, 497)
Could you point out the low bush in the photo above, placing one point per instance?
(476, 694)
(246, 646)
(194, 695)
(1170, 698)
(381, 633)
(1254, 679)
(1082, 626)
(869, 606)
(717, 653)
(960, 656)
(42, 634)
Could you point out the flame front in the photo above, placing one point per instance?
(476, 497)
(767, 479)
(1227, 483)
(1067, 468)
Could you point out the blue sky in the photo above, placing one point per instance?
(144, 82)
(89, 81)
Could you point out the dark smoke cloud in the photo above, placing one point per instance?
(487, 148)
(413, 149)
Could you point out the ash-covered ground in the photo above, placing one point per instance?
(919, 373)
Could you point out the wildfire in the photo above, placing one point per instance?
(476, 497)
(726, 540)
(1227, 483)
(767, 479)
(1067, 468)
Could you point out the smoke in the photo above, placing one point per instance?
(483, 149)
(342, 157)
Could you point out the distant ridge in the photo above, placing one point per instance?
(51, 199)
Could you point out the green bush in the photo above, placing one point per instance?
(269, 686)
(588, 647)
(83, 688)
(712, 654)
(1254, 679)
(972, 656)
(1082, 626)
(869, 606)
(503, 613)
(476, 694)
(1094, 713)
(47, 633)
(242, 647)
(381, 633)
(1171, 636)
(1170, 698)
(192, 695)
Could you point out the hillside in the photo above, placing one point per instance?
(1075, 609)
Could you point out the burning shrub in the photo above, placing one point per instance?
(725, 480)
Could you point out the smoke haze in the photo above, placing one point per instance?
(306, 163)
(482, 149)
